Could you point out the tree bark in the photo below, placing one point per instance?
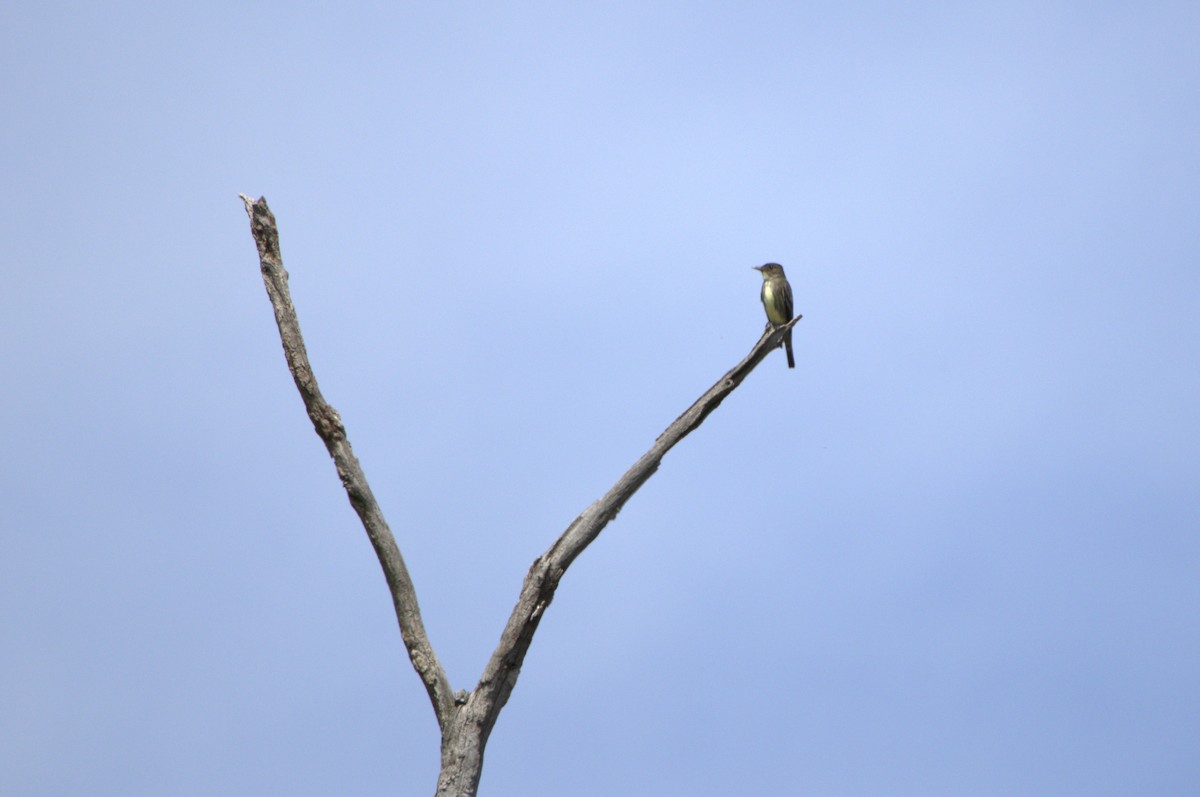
(466, 719)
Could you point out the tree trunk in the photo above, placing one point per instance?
(462, 757)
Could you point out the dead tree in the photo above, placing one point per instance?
(466, 718)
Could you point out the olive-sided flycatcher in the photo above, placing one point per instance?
(777, 301)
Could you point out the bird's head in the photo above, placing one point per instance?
(769, 270)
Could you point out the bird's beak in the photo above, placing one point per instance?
(757, 268)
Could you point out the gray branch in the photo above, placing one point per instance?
(328, 425)
(466, 720)
(542, 580)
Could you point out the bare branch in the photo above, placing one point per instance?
(466, 720)
(328, 425)
(500, 675)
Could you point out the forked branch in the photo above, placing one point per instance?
(466, 720)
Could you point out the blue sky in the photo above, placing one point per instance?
(955, 551)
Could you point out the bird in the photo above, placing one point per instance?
(777, 301)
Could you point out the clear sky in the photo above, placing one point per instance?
(956, 551)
